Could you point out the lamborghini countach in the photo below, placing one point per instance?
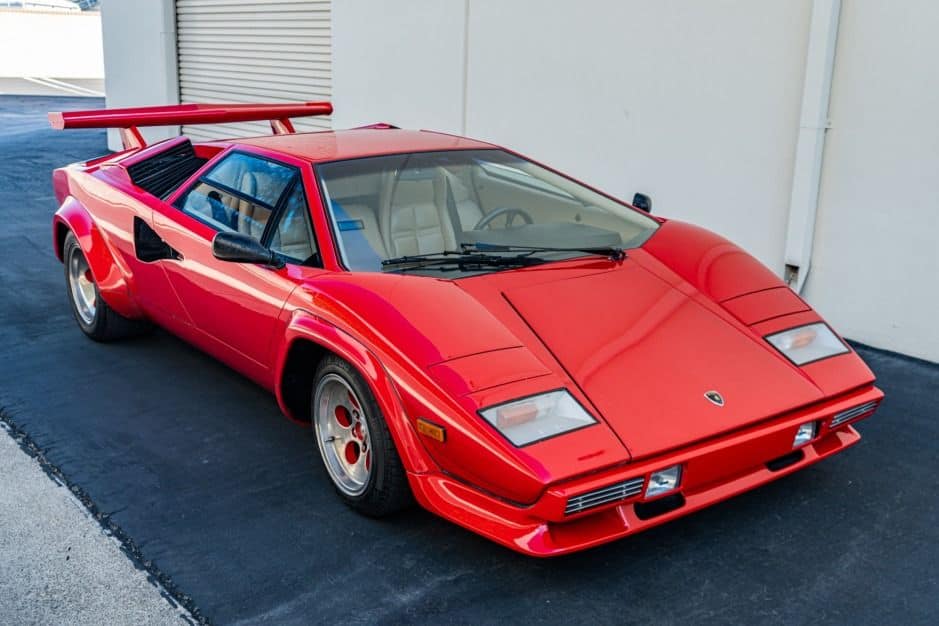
(457, 324)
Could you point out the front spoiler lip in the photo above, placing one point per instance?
(713, 473)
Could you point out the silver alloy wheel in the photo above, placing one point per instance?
(82, 286)
(342, 434)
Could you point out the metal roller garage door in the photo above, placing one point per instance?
(253, 51)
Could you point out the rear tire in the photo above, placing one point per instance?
(94, 316)
(354, 443)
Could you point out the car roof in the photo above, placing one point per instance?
(360, 142)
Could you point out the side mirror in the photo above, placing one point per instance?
(642, 202)
(241, 248)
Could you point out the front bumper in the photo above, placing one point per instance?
(713, 471)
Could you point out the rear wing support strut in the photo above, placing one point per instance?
(129, 120)
(132, 139)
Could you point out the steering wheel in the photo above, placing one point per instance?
(509, 212)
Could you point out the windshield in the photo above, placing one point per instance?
(399, 206)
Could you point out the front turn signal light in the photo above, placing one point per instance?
(664, 481)
(805, 434)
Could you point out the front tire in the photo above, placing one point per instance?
(354, 442)
(94, 316)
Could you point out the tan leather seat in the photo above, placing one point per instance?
(251, 218)
(465, 207)
(411, 221)
(292, 235)
(363, 219)
(416, 215)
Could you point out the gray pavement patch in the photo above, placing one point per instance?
(62, 562)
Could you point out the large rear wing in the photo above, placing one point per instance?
(128, 120)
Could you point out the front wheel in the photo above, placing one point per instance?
(94, 316)
(354, 441)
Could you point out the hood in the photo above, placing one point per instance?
(646, 354)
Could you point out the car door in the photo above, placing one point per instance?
(234, 307)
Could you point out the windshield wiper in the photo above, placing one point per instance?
(612, 252)
(462, 260)
(417, 258)
(475, 255)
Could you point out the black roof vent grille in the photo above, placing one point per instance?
(167, 170)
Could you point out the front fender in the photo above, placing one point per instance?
(716, 267)
(109, 276)
(306, 326)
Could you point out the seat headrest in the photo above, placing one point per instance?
(248, 183)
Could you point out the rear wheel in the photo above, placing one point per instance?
(354, 441)
(94, 316)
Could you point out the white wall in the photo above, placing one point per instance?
(47, 44)
(399, 62)
(875, 266)
(140, 58)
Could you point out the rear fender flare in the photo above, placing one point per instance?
(108, 275)
(306, 326)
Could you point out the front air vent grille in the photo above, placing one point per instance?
(611, 493)
(850, 414)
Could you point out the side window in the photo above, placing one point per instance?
(292, 235)
(225, 211)
(259, 178)
(239, 194)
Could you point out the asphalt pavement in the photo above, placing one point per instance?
(224, 503)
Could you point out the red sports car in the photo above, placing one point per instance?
(524, 355)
